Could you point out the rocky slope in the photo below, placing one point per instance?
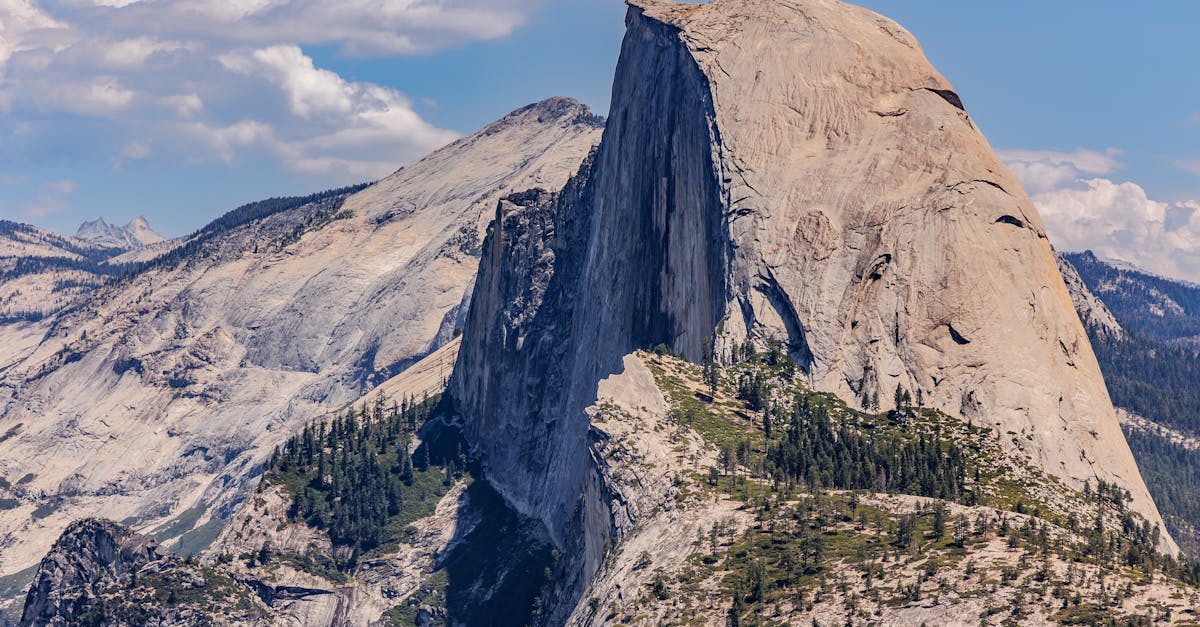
(786, 192)
(450, 544)
(873, 227)
(714, 529)
(42, 273)
(718, 542)
(784, 171)
(1092, 311)
(155, 400)
(1151, 369)
(136, 234)
(100, 572)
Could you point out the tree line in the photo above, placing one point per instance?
(361, 477)
(813, 452)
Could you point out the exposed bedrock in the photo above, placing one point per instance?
(790, 170)
(632, 253)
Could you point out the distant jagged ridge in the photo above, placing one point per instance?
(136, 234)
(243, 215)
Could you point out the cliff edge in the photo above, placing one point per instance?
(790, 171)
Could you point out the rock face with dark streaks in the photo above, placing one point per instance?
(789, 171)
(89, 555)
(102, 573)
(197, 365)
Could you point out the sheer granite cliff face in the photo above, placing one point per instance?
(790, 170)
(157, 398)
(875, 230)
(631, 254)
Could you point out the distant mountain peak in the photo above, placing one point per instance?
(136, 234)
(564, 111)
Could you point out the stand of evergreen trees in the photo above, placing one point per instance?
(1153, 379)
(1153, 371)
(1172, 474)
(359, 478)
(815, 453)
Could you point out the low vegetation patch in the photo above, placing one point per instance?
(815, 473)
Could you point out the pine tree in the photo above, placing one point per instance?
(712, 374)
(421, 462)
(939, 521)
(739, 605)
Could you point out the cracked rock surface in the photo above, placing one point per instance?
(160, 395)
(794, 171)
(872, 227)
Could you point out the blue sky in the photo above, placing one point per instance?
(182, 109)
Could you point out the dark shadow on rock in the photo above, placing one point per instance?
(499, 561)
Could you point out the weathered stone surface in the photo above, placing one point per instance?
(1092, 311)
(159, 395)
(90, 554)
(873, 228)
(101, 573)
(376, 586)
(791, 171)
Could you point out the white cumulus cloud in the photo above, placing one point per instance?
(338, 126)
(1116, 220)
(309, 89)
(1041, 170)
(194, 81)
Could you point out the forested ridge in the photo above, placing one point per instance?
(1153, 379)
(77, 255)
(363, 479)
(1155, 307)
(1153, 370)
(198, 243)
(814, 471)
(1161, 383)
(815, 452)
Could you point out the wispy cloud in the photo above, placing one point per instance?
(51, 198)
(356, 27)
(1189, 165)
(226, 81)
(1192, 120)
